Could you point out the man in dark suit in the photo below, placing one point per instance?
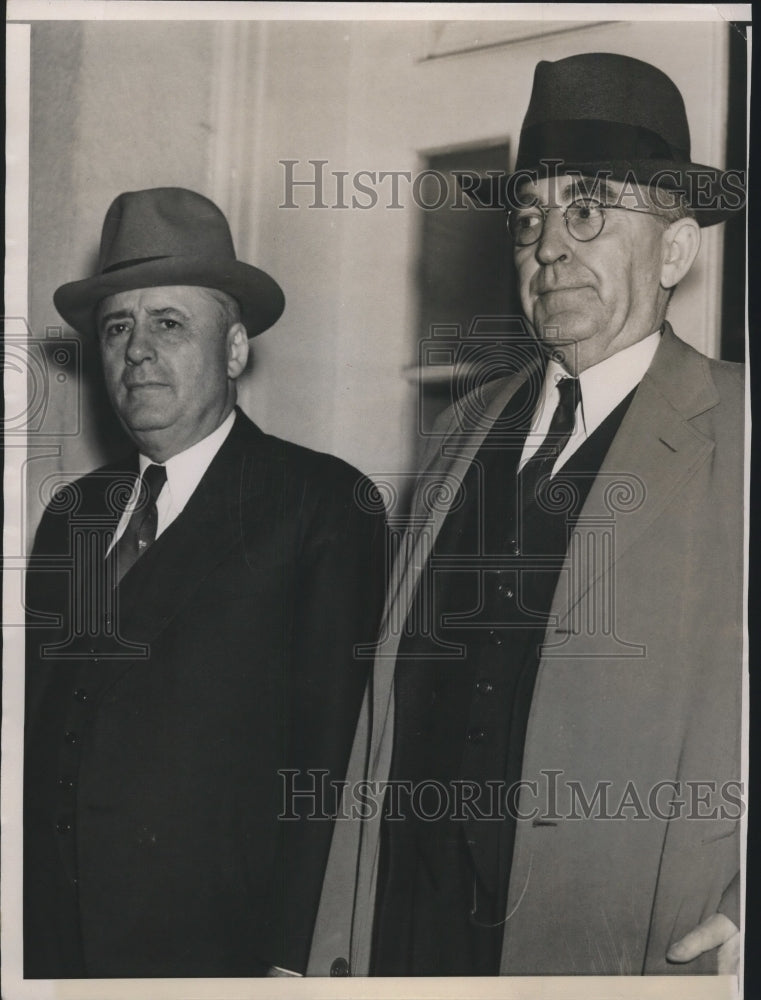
(566, 685)
(193, 616)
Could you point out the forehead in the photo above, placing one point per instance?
(564, 188)
(187, 299)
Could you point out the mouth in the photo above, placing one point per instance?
(553, 300)
(560, 290)
(135, 386)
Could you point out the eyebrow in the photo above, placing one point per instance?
(582, 187)
(114, 314)
(588, 187)
(165, 310)
(152, 311)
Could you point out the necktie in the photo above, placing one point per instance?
(561, 428)
(141, 527)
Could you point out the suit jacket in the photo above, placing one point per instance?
(637, 697)
(158, 719)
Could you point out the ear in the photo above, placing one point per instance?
(237, 350)
(682, 242)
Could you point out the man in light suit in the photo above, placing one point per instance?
(193, 615)
(556, 697)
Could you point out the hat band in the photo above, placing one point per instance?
(588, 140)
(131, 263)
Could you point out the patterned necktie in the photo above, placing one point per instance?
(141, 527)
(561, 428)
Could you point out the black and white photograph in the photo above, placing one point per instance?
(377, 437)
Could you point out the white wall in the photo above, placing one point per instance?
(120, 106)
(114, 107)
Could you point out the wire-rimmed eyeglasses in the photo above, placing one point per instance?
(584, 219)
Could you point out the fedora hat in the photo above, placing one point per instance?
(605, 113)
(169, 236)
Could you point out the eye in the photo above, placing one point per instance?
(522, 224)
(168, 324)
(115, 329)
(585, 211)
(527, 221)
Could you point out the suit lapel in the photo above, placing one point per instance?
(163, 580)
(653, 456)
(449, 463)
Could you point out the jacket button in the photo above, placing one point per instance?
(66, 784)
(484, 686)
(339, 967)
(63, 826)
(513, 547)
(495, 638)
(80, 694)
(71, 738)
(476, 736)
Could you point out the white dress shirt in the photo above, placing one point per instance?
(603, 387)
(184, 472)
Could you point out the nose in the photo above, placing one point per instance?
(140, 346)
(553, 244)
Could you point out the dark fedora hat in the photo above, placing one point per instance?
(609, 114)
(170, 236)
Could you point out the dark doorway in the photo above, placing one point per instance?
(733, 286)
(467, 296)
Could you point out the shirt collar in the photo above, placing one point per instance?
(605, 384)
(185, 470)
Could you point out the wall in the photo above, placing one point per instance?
(114, 107)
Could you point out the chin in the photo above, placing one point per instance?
(563, 328)
(145, 418)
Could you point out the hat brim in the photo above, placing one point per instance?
(706, 187)
(259, 296)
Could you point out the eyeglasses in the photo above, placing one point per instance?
(584, 219)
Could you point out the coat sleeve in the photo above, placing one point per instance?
(341, 585)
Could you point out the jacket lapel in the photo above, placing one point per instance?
(444, 469)
(163, 580)
(653, 456)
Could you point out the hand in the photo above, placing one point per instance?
(717, 931)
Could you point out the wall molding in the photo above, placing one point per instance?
(452, 38)
(235, 138)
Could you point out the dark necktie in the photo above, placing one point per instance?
(561, 428)
(140, 532)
